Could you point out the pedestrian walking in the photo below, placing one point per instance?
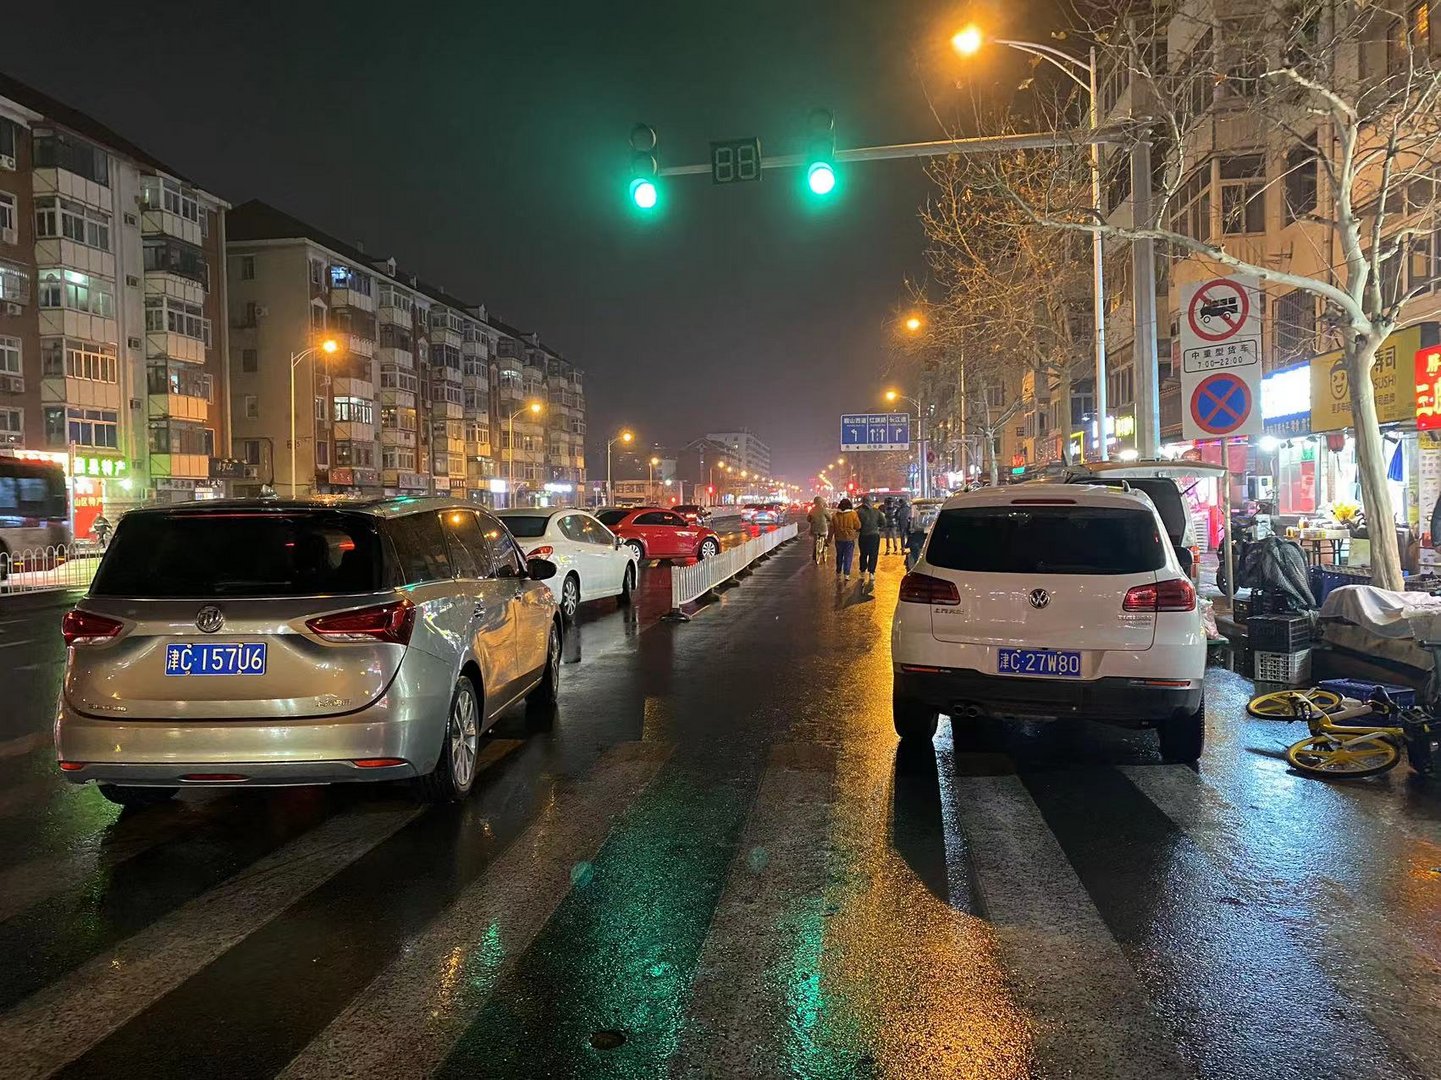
(820, 522)
(872, 521)
(888, 529)
(845, 527)
(915, 538)
(902, 525)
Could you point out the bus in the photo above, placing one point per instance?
(34, 507)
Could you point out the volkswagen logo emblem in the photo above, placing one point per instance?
(210, 619)
(1039, 599)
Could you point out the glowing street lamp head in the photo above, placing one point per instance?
(655, 461)
(537, 408)
(643, 193)
(967, 41)
(329, 345)
(626, 437)
(913, 324)
(891, 395)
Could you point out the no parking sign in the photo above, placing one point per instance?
(1221, 329)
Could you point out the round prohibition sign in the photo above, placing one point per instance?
(1218, 310)
(1221, 403)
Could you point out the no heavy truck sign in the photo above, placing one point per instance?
(1221, 325)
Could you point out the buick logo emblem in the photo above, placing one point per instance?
(210, 619)
(1039, 599)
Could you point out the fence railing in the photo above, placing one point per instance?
(39, 569)
(690, 583)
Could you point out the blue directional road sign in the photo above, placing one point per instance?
(875, 431)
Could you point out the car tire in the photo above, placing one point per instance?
(543, 698)
(448, 781)
(570, 598)
(137, 798)
(627, 584)
(4, 562)
(709, 549)
(637, 549)
(915, 721)
(1183, 736)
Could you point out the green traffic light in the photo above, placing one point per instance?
(821, 177)
(643, 193)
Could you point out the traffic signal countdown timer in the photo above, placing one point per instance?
(736, 161)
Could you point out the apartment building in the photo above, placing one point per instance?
(400, 387)
(113, 341)
(746, 448)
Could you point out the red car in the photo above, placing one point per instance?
(654, 533)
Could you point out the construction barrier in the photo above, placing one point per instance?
(690, 583)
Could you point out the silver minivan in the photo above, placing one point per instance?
(254, 644)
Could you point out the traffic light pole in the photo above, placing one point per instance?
(939, 148)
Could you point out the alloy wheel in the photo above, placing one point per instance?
(464, 737)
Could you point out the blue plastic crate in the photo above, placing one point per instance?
(1360, 689)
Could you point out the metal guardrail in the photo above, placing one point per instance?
(690, 583)
(43, 569)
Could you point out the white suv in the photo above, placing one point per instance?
(1050, 600)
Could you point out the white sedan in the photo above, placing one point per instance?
(591, 561)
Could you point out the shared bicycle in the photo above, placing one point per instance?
(1348, 738)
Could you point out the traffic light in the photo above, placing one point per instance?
(821, 153)
(643, 168)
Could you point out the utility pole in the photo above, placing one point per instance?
(1148, 374)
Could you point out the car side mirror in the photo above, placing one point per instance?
(540, 569)
(617, 541)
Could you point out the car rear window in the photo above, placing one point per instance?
(243, 554)
(1165, 494)
(610, 518)
(1046, 540)
(526, 525)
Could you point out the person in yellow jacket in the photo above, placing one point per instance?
(845, 527)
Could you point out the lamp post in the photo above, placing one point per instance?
(967, 42)
(534, 408)
(329, 345)
(650, 484)
(623, 436)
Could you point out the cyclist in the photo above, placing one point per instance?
(820, 522)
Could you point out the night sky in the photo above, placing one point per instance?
(484, 145)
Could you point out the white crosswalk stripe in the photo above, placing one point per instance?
(405, 1022)
(60, 1022)
(1090, 1015)
(779, 869)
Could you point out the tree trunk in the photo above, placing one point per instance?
(1371, 466)
(993, 444)
(1063, 391)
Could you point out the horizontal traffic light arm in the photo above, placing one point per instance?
(940, 148)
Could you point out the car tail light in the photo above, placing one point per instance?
(71, 766)
(1173, 594)
(545, 551)
(87, 628)
(925, 589)
(385, 622)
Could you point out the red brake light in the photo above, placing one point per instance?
(385, 622)
(925, 589)
(1173, 594)
(545, 551)
(87, 628)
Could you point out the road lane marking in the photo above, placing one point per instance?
(406, 1021)
(58, 1023)
(1091, 1017)
(742, 1005)
(25, 744)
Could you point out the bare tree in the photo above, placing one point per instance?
(1343, 102)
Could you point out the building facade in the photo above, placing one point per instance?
(745, 447)
(422, 393)
(113, 341)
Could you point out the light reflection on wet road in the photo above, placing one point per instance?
(716, 863)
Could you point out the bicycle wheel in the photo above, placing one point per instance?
(1322, 757)
(1287, 704)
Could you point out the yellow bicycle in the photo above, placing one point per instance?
(1338, 748)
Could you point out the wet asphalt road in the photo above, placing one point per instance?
(716, 864)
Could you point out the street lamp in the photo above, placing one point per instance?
(967, 42)
(650, 484)
(329, 345)
(623, 436)
(914, 324)
(921, 464)
(534, 408)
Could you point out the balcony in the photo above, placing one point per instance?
(180, 466)
(164, 345)
(397, 437)
(352, 298)
(166, 255)
(393, 357)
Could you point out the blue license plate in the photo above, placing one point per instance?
(1051, 663)
(216, 658)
